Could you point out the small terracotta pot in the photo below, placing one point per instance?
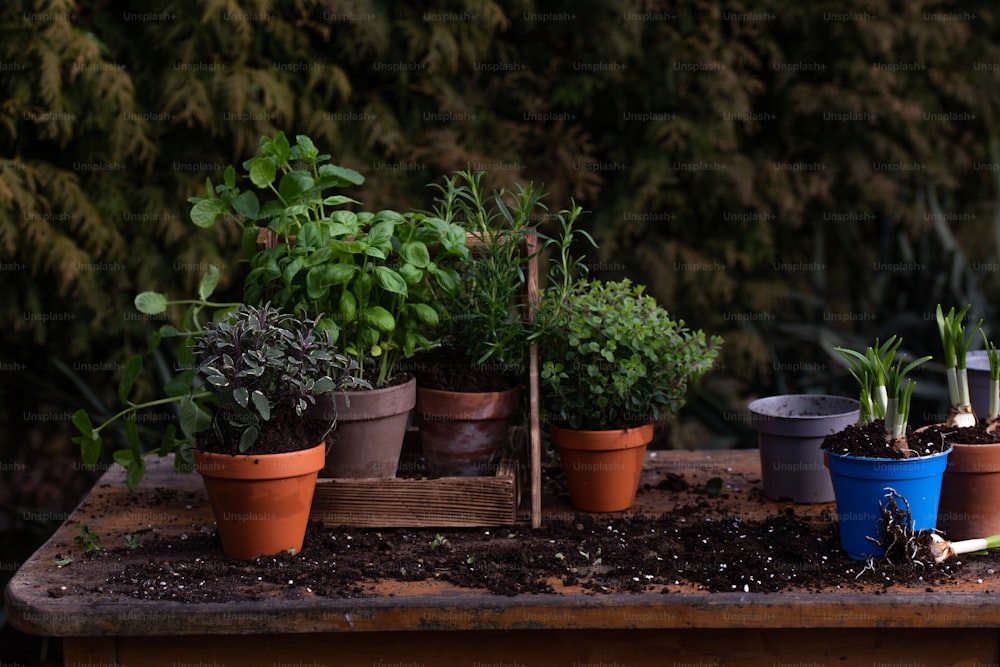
(970, 492)
(261, 502)
(371, 425)
(602, 468)
(461, 432)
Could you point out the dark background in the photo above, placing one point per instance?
(792, 176)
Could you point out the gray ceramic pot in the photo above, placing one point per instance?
(790, 430)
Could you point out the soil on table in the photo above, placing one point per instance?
(703, 544)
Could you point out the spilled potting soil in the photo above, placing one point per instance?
(721, 536)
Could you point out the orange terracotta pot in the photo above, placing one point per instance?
(602, 468)
(261, 502)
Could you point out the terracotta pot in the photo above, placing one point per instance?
(462, 433)
(970, 492)
(370, 429)
(602, 468)
(790, 431)
(261, 502)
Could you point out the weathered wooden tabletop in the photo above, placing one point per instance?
(961, 619)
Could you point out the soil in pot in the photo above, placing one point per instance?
(970, 488)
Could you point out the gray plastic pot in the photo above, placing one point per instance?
(977, 366)
(790, 430)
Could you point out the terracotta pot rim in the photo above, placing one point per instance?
(260, 466)
(445, 392)
(607, 440)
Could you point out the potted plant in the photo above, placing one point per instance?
(970, 488)
(370, 275)
(614, 364)
(253, 373)
(261, 458)
(790, 430)
(880, 453)
(469, 388)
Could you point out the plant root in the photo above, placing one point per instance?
(902, 545)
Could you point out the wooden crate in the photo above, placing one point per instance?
(416, 501)
(405, 502)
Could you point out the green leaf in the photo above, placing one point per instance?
(247, 205)
(262, 172)
(248, 438)
(307, 149)
(169, 442)
(89, 440)
(133, 369)
(206, 212)
(260, 402)
(380, 318)
(416, 253)
(151, 303)
(134, 472)
(208, 282)
(381, 232)
(338, 200)
(425, 314)
(242, 396)
(294, 183)
(343, 174)
(192, 418)
(389, 280)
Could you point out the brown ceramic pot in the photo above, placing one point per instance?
(371, 425)
(602, 468)
(261, 502)
(970, 492)
(462, 433)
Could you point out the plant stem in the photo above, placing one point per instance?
(160, 401)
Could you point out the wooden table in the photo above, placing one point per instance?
(434, 623)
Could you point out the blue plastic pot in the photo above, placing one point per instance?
(860, 486)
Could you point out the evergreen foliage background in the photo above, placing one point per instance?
(789, 175)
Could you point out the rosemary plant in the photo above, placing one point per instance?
(955, 339)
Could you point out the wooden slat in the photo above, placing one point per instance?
(529, 648)
(400, 502)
